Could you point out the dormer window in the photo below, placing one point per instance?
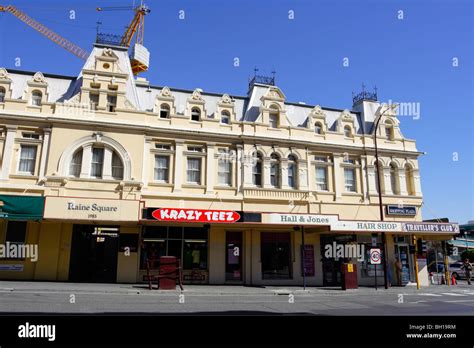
(94, 100)
(111, 103)
(318, 128)
(347, 132)
(195, 114)
(164, 111)
(225, 117)
(36, 97)
(389, 130)
(2, 95)
(273, 117)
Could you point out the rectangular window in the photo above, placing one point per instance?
(225, 172)
(273, 121)
(257, 174)
(194, 171)
(275, 174)
(27, 159)
(27, 135)
(94, 100)
(111, 103)
(276, 255)
(162, 165)
(291, 175)
(349, 179)
(162, 147)
(97, 162)
(320, 158)
(321, 179)
(195, 148)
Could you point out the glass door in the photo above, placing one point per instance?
(233, 263)
(404, 258)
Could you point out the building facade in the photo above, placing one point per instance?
(104, 171)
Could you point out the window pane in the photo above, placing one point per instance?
(194, 170)
(162, 168)
(321, 180)
(276, 255)
(76, 164)
(275, 174)
(2, 94)
(349, 180)
(27, 159)
(97, 162)
(291, 175)
(224, 172)
(117, 166)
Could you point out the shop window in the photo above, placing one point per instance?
(27, 159)
(349, 180)
(276, 255)
(225, 117)
(292, 171)
(117, 167)
(193, 171)
(162, 167)
(233, 269)
(195, 114)
(16, 232)
(76, 164)
(2, 94)
(36, 98)
(275, 170)
(164, 111)
(257, 170)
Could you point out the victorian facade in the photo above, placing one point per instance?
(104, 171)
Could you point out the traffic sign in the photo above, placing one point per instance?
(375, 257)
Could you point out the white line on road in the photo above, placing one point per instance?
(456, 301)
(428, 294)
(452, 294)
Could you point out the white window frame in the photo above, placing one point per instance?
(199, 170)
(320, 184)
(166, 169)
(22, 146)
(348, 187)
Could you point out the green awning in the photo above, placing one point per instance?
(21, 207)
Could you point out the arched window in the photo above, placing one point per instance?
(347, 131)
(225, 117)
(394, 179)
(318, 128)
(195, 114)
(275, 170)
(389, 130)
(2, 95)
(164, 111)
(36, 97)
(257, 169)
(117, 167)
(292, 171)
(76, 164)
(410, 181)
(274, 116)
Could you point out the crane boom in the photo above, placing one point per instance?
(64, 43)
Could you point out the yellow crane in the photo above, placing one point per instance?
(139, 57)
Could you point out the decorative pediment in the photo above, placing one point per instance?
(108, 52)
(196, 96)
(165, 92)
(38, 79)
(274, 93)
(317, 111)
(4, 74)
(347, 116)
(226, 99)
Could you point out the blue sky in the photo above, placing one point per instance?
(409, 59)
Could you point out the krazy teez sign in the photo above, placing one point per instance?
(195, 215)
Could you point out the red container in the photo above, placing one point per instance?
(349, 276)
(168, 272)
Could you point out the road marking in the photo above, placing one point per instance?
(457, 301)
(428, 294)
(452, 294)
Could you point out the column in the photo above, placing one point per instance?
(107, 166)
(247, 170)
(402, 181)
(44, 152)
(86, 161)
(146, 162)
(266, 172)
(372, 179)
(302, 175)
(311, 173)
(8, 152)
(363, 172)
(284, 174)
(387, 182)
(337, 175)
(417, 183)
(239, 168)
(210, 168)
(178, 165)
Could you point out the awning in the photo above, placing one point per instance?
(462, 244)
(21, 207)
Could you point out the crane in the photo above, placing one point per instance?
(64, 43)
(139, 58)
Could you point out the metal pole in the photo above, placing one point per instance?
(384, 241)
(303, 259)
(418, 286)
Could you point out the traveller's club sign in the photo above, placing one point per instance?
(195, 215)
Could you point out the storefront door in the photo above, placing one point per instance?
(233, 262)
(332, 275)
(94, 254)
(404, 258)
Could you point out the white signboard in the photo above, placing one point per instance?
(375, 257)
(299, 219)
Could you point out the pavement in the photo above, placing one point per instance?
(55, 297)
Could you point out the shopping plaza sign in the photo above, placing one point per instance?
(195, 215)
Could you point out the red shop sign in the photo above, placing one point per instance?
(195, 215)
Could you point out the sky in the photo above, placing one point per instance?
(415, 51)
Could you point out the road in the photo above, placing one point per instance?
(44, 297)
